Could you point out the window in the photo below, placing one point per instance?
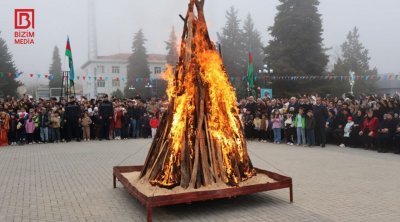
(100, 69)
(115, 69)
(101, 83)
(157, 70)
(115, 82)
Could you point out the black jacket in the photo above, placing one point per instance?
(72, 111)
(310, 122)
(106, 109)
(321, 115)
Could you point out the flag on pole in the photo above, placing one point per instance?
(250, 73)
(68, 53)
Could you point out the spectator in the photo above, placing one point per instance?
(154, 122)
(4, 128)
(30, 128)
(347, 131)
(300, 125)
(264, 128)
(290, 128)
(257, 126)
(386, 132)
(276, 120)
(86, 122)
(310, 128)
(369, 130)
(321, 115)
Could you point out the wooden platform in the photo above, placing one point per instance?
(280, 182)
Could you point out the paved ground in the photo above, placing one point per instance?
(73, 182)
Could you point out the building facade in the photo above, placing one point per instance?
(106, 74)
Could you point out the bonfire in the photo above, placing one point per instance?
(200, 139)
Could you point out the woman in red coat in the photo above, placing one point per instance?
(4, 127)
(369, 130)
(118, 122)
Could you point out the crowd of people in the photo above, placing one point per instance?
(27, 121)
(370, 122)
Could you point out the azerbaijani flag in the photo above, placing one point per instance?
(68, 53)
(250, 73)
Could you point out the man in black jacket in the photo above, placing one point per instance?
(321, 115)
(386, 132)
(72, 117)
(106, 113)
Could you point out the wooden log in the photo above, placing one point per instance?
(185, 171)
(220, 160)
(159, 138)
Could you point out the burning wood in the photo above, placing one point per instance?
(200, 139)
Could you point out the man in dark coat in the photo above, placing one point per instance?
(386, 132)
(72, 117)
(106, 113)
(321, 115)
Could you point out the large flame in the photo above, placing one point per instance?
(222, 119)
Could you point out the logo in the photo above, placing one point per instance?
(24, 24)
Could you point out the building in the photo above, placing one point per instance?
(106, 74)
(384, 86)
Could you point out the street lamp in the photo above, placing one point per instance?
(149, 86)
(352, 81)
(266, 70)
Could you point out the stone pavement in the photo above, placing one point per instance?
(73, 182)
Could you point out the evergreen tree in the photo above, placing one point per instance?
(355, 58)
(252, 41)
(55, 70)
(296, 46)
(172, 44)
(234, 53)
(138, 68)
(118, 94)
(8, 84)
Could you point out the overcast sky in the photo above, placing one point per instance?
(118, 20)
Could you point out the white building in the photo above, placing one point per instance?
(106, 74)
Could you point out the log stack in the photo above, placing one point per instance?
(200, 139)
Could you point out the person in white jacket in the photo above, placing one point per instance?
(347, 131)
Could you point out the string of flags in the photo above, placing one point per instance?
(328, 77)
(89, 77)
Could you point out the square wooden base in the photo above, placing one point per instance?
(281, 182)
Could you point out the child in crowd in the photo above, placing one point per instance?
(21, 132)
(347, 131)
(264, 129)
(86, 122)
(154, 122)
(118, 122)
(55, 123)
(12, 133)
(30, 128)
(299, 123)
(125, 124)
(310, 128)
(276, 120)
(257, 126)
(289, 128)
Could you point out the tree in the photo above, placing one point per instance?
(172, 44)
(252, 41)
(117, 94)
(233, 50)
(296, 47)
(138, 68)
(355, 58)
(8, 84)
(55, 70)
